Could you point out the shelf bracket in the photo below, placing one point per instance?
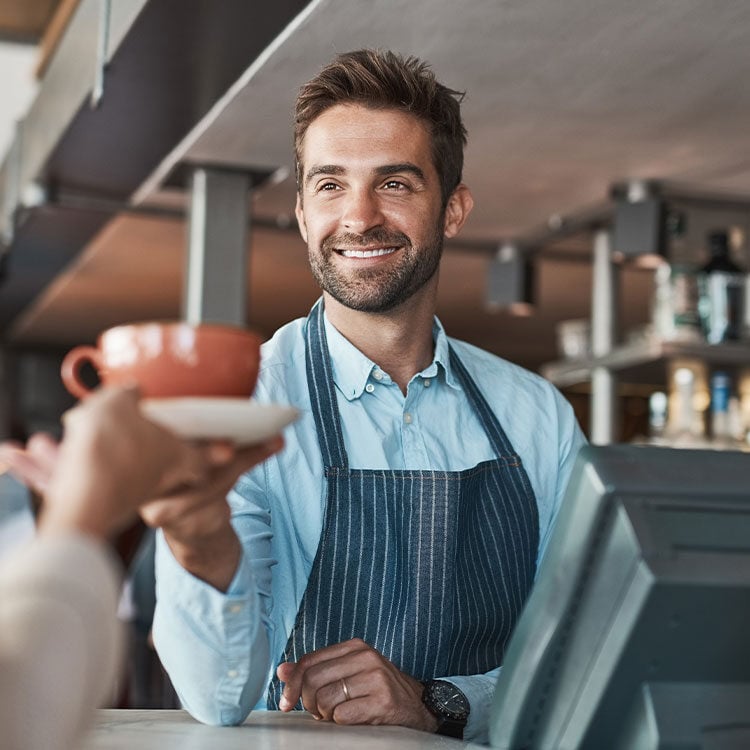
(216, 272)
(603, 330)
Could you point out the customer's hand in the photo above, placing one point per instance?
(352, 683)
(111, 460)
(31, 464)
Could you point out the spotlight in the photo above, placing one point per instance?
(510, 281)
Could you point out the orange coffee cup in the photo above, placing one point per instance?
(170, 360)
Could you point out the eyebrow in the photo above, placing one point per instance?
(323, 169)
(382, 171)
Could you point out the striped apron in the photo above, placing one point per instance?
(431, 568)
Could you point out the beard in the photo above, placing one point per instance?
(377, 290)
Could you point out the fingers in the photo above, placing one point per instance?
(352, 683)
(320, 669)
(292, 674)
(45, 450)
(332, 696)
(110, 400)
(211, 469)
(247, 457)
(33, 465)
(380, 694)
(191, 514)
(109, 430)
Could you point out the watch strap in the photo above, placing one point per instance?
(449, 723)
(450, 728)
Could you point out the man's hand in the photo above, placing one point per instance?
(352, 683)
(196, 520)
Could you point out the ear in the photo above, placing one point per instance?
(457, 211)
(300, 214)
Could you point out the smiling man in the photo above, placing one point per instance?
(373, 571)
(374, 228)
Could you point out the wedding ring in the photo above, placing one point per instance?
(345, 689)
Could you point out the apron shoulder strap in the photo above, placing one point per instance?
(323, 392)
(499, 440)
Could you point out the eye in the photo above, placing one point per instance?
(395, 185)
(328, 186)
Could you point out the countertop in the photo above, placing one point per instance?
(115, 729)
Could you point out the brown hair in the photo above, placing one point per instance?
(382, 79)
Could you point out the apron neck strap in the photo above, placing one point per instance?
(497, 437)
(323, 391)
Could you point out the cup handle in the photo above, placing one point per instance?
(71, 369)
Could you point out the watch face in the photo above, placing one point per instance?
(448, 699)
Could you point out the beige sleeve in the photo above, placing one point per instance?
(60, 642)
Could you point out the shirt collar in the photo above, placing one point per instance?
(442, 356)
(352, 369)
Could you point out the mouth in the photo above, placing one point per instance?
(374, 252)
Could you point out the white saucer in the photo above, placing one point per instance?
(241, 420)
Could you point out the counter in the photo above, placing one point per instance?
(115, 729)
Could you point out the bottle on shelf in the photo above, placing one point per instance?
(721, 392)
(675, 315)
(685, 427)
(657, 418)
(729, 428)
(722, 292)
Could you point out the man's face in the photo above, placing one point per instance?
(370, 206)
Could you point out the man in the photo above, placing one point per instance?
(396, 538)
(59, 639)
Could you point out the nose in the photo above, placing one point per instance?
(362, 211)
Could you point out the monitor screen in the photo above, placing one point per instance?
(637, 632)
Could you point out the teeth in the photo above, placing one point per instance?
(368, 253)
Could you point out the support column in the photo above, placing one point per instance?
(216, 271)
(603, 331)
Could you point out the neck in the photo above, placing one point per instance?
(398, 341)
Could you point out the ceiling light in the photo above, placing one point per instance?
(510, 281)
(640, 227)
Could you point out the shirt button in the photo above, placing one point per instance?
(235, 609)
(427, 382)
(377, 375)
(232, 673)
(407, 418)
(369, 387)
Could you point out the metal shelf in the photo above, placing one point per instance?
(645, 361)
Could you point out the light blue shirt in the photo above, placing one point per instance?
(220, 650)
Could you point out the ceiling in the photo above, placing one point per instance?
(563, 100)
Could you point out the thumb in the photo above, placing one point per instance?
(285, 670)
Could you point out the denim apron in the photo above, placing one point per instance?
(431, 568)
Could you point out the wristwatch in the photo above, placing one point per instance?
(448, 705)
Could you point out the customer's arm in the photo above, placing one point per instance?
(59, 641)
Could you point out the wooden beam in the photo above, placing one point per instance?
(53, 33)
